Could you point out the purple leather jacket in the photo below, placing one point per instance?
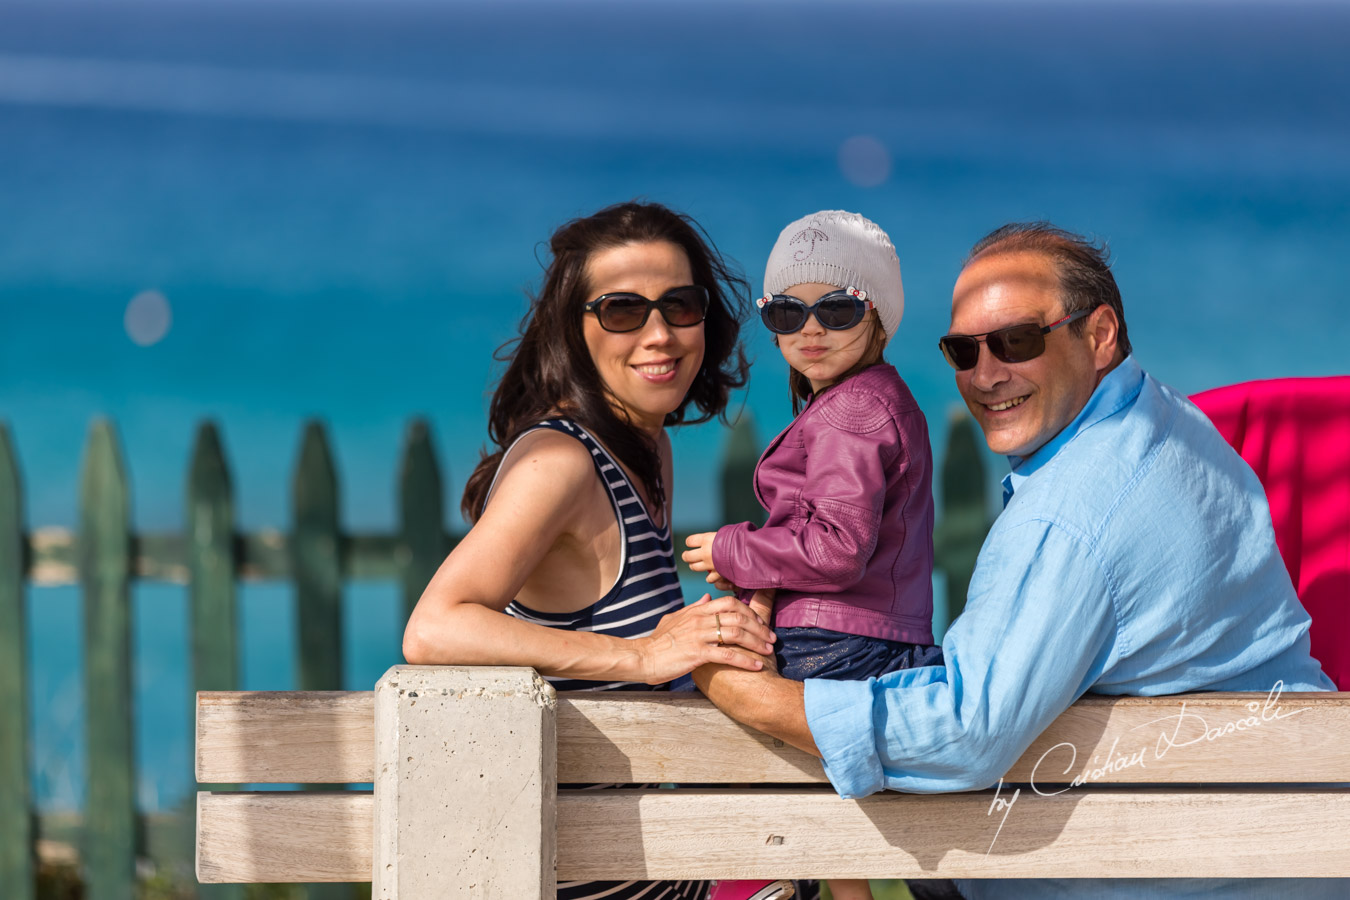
(849, 538)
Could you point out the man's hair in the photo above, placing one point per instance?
(1083, 267)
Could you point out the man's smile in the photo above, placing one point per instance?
(1006, 404)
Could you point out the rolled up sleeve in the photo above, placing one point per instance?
(1040, 626)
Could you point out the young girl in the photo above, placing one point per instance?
(848, 544)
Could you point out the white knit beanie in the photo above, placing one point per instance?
(843, 249)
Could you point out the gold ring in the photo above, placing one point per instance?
(718, 619)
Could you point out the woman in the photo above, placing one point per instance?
(569, 566)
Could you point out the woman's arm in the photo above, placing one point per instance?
(539, 502)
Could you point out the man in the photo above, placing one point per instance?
(1134, 555)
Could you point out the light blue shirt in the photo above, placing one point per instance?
(1134, 555)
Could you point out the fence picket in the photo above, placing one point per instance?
(211, 588)
(965, 518)
(317, 567)
(17, 869)
(738, 475)
(110, 828)
(422, 539)
(317, 564)
(211, 566)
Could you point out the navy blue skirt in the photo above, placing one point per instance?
(819, 653)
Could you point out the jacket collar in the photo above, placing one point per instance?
(880, 371)
(1117, 390)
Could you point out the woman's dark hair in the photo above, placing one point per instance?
(800, 386)
(549, 368)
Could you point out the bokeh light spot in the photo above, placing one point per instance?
(865, 161)
(148, 318)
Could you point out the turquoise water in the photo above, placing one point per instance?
(341, 206)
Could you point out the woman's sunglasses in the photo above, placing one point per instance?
(625, 311)
(1019, 343)
(837, 310)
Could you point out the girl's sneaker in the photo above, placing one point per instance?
(751, 890)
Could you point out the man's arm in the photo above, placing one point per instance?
(764, 700)
(1038, 630)
(768, 702)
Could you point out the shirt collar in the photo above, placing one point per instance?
(1116, 391)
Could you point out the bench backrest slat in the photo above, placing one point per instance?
(279, 836)
(328, 737)
(614, 835)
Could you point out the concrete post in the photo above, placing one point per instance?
(466, 784)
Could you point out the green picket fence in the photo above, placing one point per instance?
(210, 556)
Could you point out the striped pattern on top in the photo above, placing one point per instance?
(647, 587)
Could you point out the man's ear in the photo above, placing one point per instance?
(1102, 329)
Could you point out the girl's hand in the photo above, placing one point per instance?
(709, 631)
(761, 603)
(700, 559)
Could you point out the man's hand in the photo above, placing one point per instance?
(700, 559)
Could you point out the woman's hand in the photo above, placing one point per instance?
(700, 559)
(709, 631)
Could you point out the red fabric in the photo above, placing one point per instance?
(1295, 434)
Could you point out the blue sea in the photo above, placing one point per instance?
(261, 212)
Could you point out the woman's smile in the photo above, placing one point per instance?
(658, 372)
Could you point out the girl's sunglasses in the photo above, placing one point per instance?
(625, 311)
(837, 310)
(1019, 343)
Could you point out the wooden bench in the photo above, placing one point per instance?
(465, 764)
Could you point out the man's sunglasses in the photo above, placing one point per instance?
(1019, 343)
(837, 310)
(625, 311)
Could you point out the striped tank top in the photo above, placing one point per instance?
(646, 589)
